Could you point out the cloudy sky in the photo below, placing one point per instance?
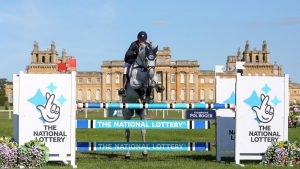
(93, 31)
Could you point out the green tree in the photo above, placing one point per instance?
(3, 81)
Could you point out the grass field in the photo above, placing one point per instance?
(91, 160)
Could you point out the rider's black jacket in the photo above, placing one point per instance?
(133, 51)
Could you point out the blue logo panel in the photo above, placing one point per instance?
(200, 114)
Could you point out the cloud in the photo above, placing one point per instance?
(161, 23)
(280, 22)
(287, 21)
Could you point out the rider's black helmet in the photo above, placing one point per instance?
(142, 36)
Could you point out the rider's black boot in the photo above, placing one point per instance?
(122, 91)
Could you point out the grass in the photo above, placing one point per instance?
(155, 159)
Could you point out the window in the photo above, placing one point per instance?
(108, 94)
(173, 78)
(117, 95)
(98, 81)
(80, 81)
(181, 77)
(192, 94)
(191, 78)
(159, 76)
(117, 78)
(159, 97)
(202, 94)
(257, 59)
(264, 58)
(211, 81)
(182, 95)
(89, 81)
(108, 78)
(250, 59)
(97, 94)
(211, 94)
(173, 95)
(43, 59)
(89, 95)
(79, 94)
(202, 80)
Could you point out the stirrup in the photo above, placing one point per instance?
(122, 92)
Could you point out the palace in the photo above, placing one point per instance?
(183, 80)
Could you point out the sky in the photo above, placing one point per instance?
(97, 30)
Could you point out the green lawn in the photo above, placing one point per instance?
(155, 159)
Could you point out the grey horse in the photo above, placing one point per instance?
(143, 80)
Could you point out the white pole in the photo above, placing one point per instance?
(156, 113)
(182, 114)
(86, 116)
(105, 113)
(167, 112)
(9, 114)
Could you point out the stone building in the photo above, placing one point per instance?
(183, 80)
(257, 62)
(8, 88)
(48, 61)
(294, 93)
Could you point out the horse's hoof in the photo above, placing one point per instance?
(127, 157)
(145, 155)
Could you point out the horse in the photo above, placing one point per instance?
(142, 81)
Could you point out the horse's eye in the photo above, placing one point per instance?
(151, 57)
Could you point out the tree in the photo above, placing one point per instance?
(3, 81)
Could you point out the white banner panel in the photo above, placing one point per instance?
(225, 120)
(261, 114)
(45, 111)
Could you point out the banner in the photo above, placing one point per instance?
(262, 114)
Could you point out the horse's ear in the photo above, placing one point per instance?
(155, 49)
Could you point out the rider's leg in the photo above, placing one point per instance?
(125, 78)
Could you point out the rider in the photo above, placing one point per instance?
(131, 56)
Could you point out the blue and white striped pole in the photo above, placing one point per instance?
(143, 124)
(141, 146)
(154, 106)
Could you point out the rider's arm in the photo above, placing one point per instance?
(131, 53)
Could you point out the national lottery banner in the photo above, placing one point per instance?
(44, 110)
(225, 120)
(141, 146)
(261, 113)
(143, 124)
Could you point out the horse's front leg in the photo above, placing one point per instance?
(127, 116)
(143, 116)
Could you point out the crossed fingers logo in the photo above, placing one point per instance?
(50, 111)
(265, 112)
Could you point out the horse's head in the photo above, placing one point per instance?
(147, 57)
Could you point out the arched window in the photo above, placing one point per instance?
(43, 59)
(264, 58)
(97, 94)
(89, 95)
(108, 94)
